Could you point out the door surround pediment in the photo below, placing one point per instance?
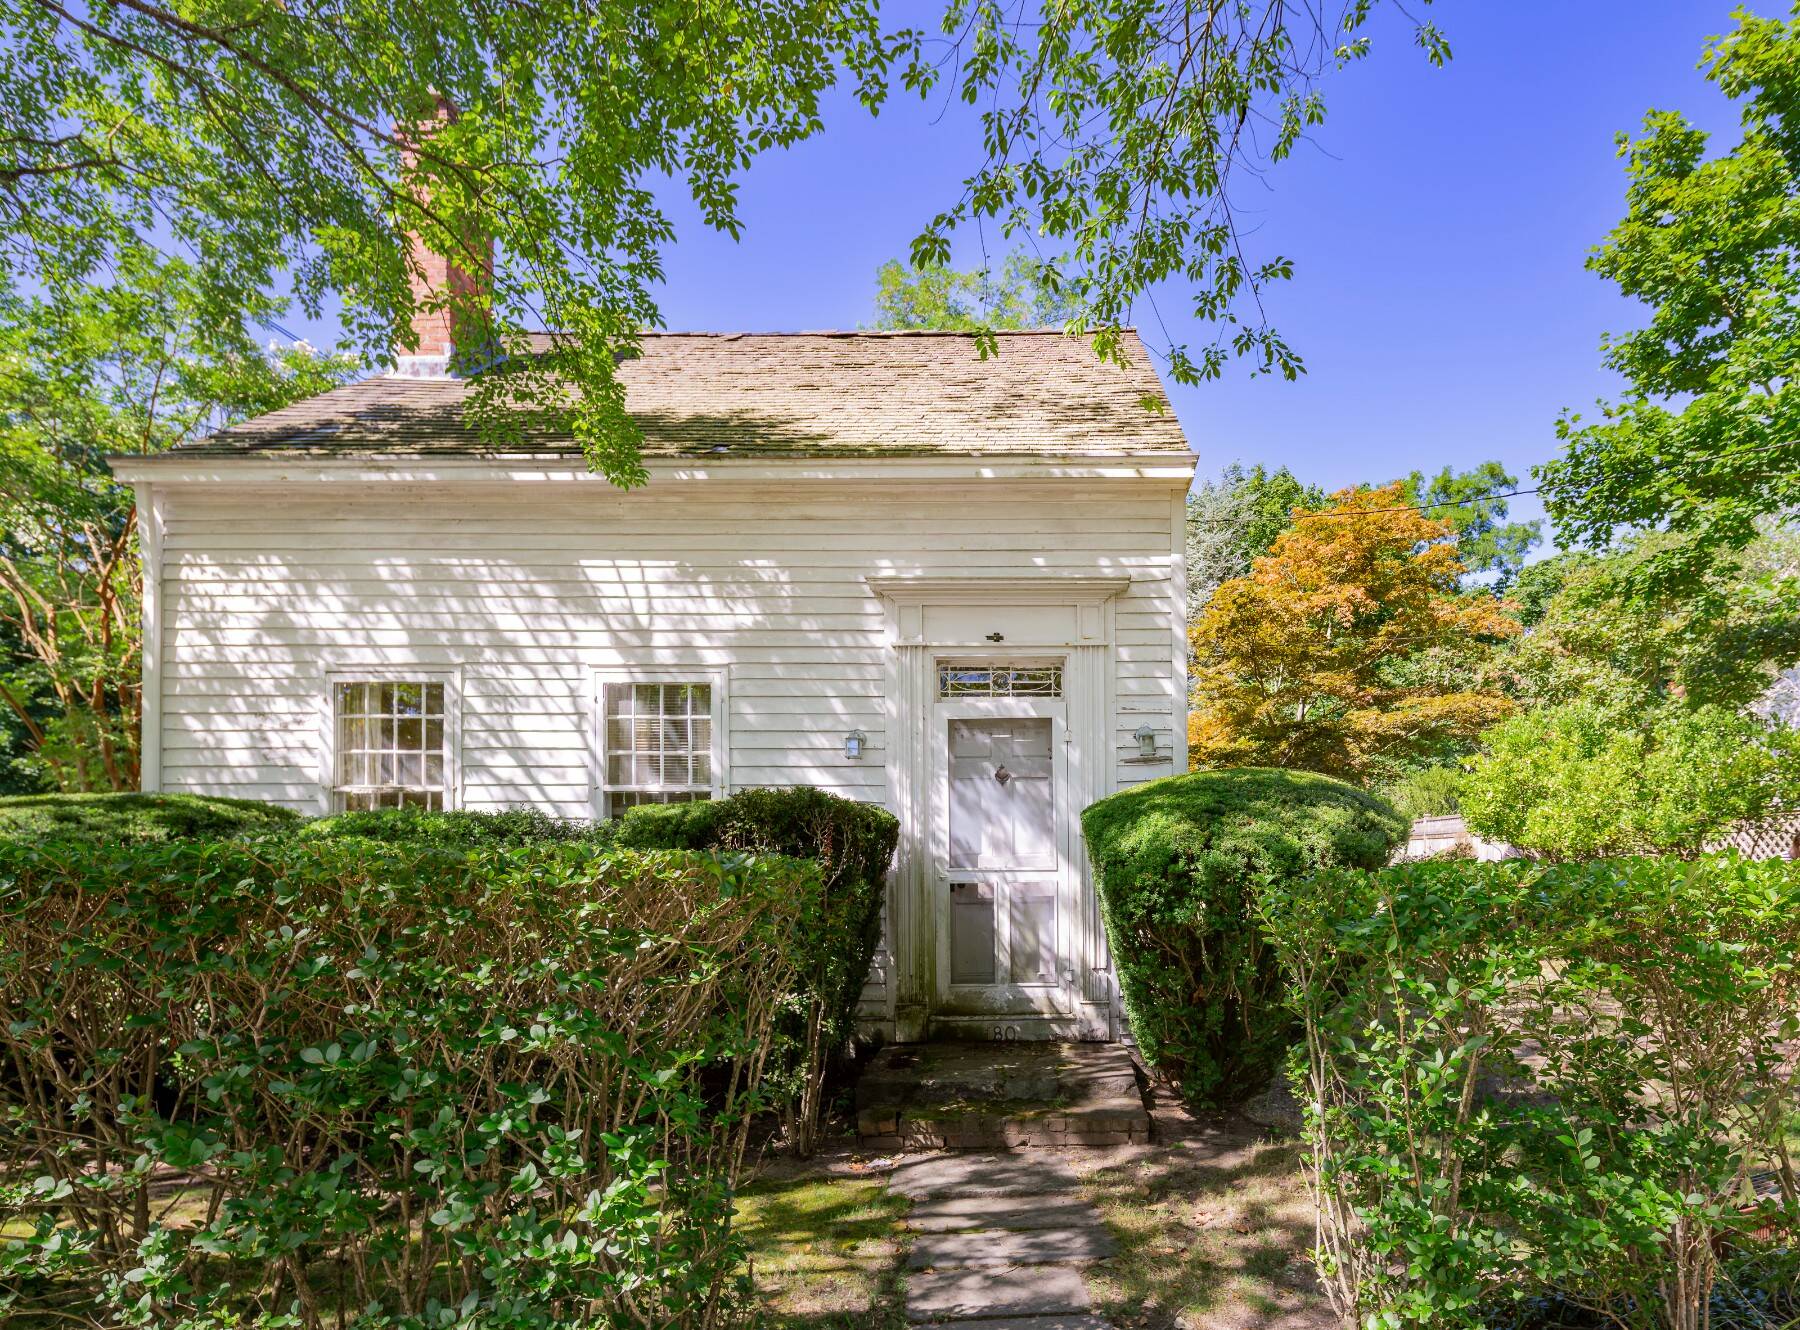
(1044, 610)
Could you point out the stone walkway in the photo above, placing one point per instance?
(1001, 1242)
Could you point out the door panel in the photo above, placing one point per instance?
(1002, 804)
(1032, 935)
(1003, 875)
(972, 934)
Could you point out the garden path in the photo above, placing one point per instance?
(1002, 1239)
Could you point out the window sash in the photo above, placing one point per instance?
(657, 740)
(391, 742)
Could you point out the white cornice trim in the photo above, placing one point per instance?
(1172, 471)
(1024, 589)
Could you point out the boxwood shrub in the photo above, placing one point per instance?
(853, 843)
(1180, 863)
(459, 828)
(137, 817)
(400, 1085)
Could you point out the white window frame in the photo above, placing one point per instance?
(451, 679)
(711, 675)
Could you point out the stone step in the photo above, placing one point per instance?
(981, 1176)
(998, 1096)
(980, 1293)
(1048, 1246)
(1069, 1322)
(1016, 1213)
(929, 1129)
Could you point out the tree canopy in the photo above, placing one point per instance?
(1723, 643)
(275, 145)
(968, 300)
(1330, 654)
(1234, 520)
(1473, 503)
(1582, 779)
(1706, 438)
(132, 367)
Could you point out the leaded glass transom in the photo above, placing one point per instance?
(1000, 680)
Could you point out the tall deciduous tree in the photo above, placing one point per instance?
(1473, 503)
(260, 136)
(1724, 643)
(136, 366)
(1234, 520)
(1324, 656)
(968, 300)
(1707, 437)
(1584, 779)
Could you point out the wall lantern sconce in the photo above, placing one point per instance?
(853, 744)
(1146, 741)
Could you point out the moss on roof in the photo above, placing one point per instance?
(779, 394)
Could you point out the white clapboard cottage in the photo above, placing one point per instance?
(870, 562)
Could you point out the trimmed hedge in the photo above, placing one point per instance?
(853, 843)
(459, 828)
(1180, 864)
(137, 817)
(1533, 1084)
(411, 1086)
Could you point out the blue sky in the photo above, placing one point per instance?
(1438, 225)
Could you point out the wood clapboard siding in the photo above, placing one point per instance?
(525, 590)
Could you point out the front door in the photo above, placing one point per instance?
(1004, 935)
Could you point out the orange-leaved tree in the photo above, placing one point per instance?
(1346, 648)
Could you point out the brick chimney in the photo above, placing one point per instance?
(439, 334)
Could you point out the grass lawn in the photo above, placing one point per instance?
(1213, 1224)
(826, 1249)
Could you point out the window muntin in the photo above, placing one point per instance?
(392, 747)
(955, 680)
(658, 743)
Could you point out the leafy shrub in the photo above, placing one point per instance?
(1427, 792)
(1180, 864)
(853, 843)
(460, 827)
(1525, 1080)
(412, 1087)
(137, 817)
(1579, 780)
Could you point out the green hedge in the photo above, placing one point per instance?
(137, 817)
(1180, 864)
(853, 843)
(460, 828)
(405, 1085)
(1546, 1082)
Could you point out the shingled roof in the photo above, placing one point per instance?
(771, 394)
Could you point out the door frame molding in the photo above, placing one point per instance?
(1070, 617)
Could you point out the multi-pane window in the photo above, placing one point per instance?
(659, 743)
(392, 745)
(1000, 680)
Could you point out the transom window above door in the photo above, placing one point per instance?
(658, 743)
(392, 744)
(985, 680)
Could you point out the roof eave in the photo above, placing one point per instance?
(1166, 466)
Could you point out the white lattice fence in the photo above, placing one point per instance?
(1776, 838)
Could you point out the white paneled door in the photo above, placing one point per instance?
(1004, 945)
